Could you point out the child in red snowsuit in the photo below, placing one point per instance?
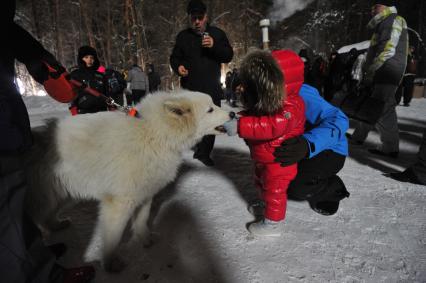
(274, 112)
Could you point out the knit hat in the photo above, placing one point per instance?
(196, 7)
(87, 50)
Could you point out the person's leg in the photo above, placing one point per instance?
(23, 256)
(129, 100)
(387, 125)
(137, 95)
(361, 132)
(408, 89)
(203, 149)
(316, 180)
(419, 168)
(274, 180)
(398, 93)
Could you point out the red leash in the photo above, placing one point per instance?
(108, 100)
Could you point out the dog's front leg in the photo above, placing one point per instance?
(114, 213)
(140, 229)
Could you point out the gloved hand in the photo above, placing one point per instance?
(41, 72)
(292, 151)
(231, 127)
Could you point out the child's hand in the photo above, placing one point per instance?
(231, 127)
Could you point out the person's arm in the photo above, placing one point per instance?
(221, 49)
(329, 123)
(177, 58)
(32, 54)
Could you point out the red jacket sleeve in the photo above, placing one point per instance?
(263, 127)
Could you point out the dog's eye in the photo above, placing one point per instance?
(210, 110)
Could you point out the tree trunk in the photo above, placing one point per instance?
(87, 23)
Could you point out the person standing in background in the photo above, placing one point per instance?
(137, 84)
(196, 58)
(385, 66)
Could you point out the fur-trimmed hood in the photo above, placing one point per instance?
(262, 80)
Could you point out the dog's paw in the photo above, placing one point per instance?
(114, 264)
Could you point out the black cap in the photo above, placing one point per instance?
(196, 7)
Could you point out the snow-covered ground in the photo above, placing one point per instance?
(199, 221)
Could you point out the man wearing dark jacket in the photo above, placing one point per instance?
(385, 66)
(23, 256)
(196, 58)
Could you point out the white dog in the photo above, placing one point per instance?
(118, 160)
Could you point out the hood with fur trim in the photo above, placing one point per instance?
(262, 80)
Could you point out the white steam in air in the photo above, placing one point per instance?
(282, 9)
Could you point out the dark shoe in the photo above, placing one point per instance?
(83, 274)
(326, 208)
(327, 201)
(58, 249)
(352, 141)
(393, 154)
(407, 176)
(206, 160)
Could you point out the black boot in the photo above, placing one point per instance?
(326, 202)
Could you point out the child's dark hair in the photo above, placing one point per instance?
(263, 83)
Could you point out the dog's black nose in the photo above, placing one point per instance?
(232, 115)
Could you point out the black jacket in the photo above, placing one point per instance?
(15, 131)
(86, 102)
(203, 64)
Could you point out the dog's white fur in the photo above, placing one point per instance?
(118, 160)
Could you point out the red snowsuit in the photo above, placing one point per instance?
(264, 133)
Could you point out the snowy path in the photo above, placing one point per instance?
(378, 234)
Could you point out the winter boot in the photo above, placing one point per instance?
(327, 201)
(256, 207)
(266, 228)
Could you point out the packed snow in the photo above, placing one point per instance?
(199, 221)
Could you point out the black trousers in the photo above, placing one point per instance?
(138, 94)
(405, 90)
(313, 175)
(205, 146)
(23, 256)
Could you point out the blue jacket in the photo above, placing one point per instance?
(325, 125)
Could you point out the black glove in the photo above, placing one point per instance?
(39, 70)
(292, 151)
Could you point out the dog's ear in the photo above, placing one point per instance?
(177, 107)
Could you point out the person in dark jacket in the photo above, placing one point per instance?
(153, 78)
(320, 153)
(416, 173)
(23, 256)
(115, 84)
(196, 58)
(87, 73)
(385, 66)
